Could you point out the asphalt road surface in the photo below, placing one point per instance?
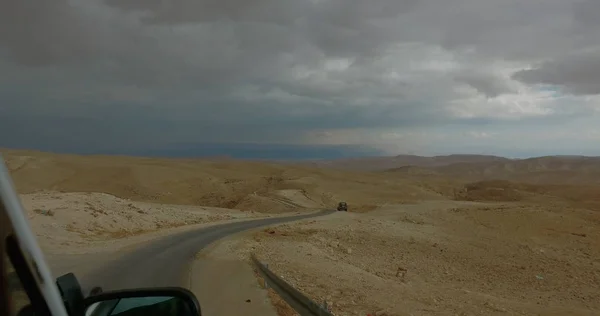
(166, 261)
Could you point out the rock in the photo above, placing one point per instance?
(401, 272)
(349, 251)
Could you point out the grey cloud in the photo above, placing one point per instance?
(498, 29)
(508, 28)
(575, 73)
(485, 83)
(338, 28)
(576, 70)
(587, 13)
(37, 33)
(201, 11)
(255, 70)
(23, 24)
(345, 13)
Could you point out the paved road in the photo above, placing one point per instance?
(166, 261)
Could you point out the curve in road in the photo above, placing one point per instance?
(165, 262)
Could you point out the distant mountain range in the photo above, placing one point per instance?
(245, 151)
(386, 163)
(562, 169)
(550, 169)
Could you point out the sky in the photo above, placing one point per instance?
(328, 78)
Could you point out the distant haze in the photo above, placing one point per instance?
(250, 151)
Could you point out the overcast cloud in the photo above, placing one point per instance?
(507, 77)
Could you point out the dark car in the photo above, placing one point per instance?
(342, 206)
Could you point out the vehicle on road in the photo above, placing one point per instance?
(33, 291)
(342, 206)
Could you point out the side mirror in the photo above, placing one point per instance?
(70, 291)
(165, 301)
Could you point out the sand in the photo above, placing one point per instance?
(482, 238)
(460, 258)
(77, 223)
(247, 186)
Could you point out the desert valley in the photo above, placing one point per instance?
(451, 235)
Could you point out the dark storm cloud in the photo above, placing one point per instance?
(351, 14)
(577, 69)
(336, 27)
(276, 70)
(487, 84)
(510, 29)
(587, 13)
(576, 73)
(39, 33)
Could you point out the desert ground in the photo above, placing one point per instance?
(454, 235)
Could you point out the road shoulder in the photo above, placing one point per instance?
(225, 283)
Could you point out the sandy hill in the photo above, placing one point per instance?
(575, 179)
(521, 237)
(224, 183)
(272, 187)
(551, 169)
(385, 163)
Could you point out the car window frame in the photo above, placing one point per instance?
(20, 245)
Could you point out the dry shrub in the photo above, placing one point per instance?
(362, 208)
(44, 212)
(281, 306)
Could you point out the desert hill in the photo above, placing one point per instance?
(385, 163)
(436, 227)
(273, 187)
(572, 178)
(541, 170)
(224, 183)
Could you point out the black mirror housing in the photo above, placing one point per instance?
(160, 301)
(70, 290)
